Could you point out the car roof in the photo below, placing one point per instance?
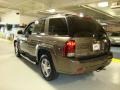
(64, 15)
(57, 16)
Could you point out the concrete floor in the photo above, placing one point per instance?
(116, 51)
(19, 74)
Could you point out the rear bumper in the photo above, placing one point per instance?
(69, 66)
(115, 43)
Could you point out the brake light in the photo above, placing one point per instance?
(69, 48)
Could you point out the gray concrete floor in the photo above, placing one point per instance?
(19, 74)
(116, 51)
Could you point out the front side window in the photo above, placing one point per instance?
(29, 29)
(58, 26)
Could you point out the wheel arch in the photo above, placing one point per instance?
(54, 71)
(15, 42)
(43, 51)
(48, 50)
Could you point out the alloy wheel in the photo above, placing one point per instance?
(46, 67)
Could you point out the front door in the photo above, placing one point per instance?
(25, 39)
(33, 35)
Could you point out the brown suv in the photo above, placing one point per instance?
(64, 44)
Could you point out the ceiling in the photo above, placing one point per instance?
(39, 7)
(29, 7)
(109, 10)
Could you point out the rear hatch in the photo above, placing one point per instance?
(91, 39)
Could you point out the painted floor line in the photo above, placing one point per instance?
(116, 60)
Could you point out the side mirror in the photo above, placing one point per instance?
(20, 32)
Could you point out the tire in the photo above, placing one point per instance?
(47, 67)
(17, 50)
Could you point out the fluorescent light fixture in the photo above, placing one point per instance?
(51, 10)
(81, 15)
(103, 4)
(36, 22)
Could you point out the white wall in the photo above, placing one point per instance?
(10, 18)
(13, 18)
(113, 28)
(26, 19)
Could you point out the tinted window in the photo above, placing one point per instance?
(29, 29)
(39, 28)
(58, 26)
(84, 27)
(115, 34)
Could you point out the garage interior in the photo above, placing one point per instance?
(19, 74)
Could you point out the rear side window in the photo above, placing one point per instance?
(39, 28)
(58, 26)
(84, 27)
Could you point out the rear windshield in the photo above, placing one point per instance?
(84, 27)
(115, 34)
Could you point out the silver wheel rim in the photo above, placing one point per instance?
(46, 68)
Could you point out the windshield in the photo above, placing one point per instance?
(84, 27)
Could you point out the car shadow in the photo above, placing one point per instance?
(32, 66)
(36, 69)
(115, 45)
(72, 82)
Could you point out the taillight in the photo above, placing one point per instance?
(69, 48)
